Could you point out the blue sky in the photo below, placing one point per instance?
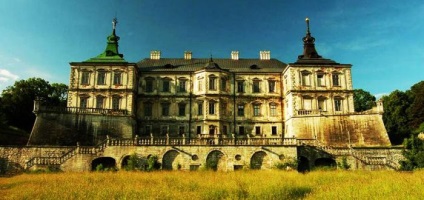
(381, 39)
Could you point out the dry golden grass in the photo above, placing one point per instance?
(216, 185)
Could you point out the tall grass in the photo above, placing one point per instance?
(271, 184)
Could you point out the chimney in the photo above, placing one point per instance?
(234, 55)
(265, 55)
(155, 55)
(187, 55)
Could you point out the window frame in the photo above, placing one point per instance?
(101, 77)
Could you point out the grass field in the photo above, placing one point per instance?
(216, 185)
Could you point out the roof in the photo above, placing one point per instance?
(226, 64)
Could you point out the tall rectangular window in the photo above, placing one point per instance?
(182, 85)
(273, 109)
(306, 78)
(149, 85)
(240, 110)
(164, 130)
(257, 130)
(274, 130)
(223, 110)
(256, 87)
(256, 110)
(321, 104)
(115, 102)
(212, 83)
(85, 78)
(165, 109)
(240, 86)
(181, 109)
(148, 130)
(166, 85)
(101, 78)
(211, 108)
(241, 130)
(224, 130)
(200, 86)
(336, 79)
(200, 108)
(198, 130)
(271, 85)
(117, 78)
(223, 84)
(83, 102)
(99, 101)
(181, 130)
(337, 104)
(320, 80)
(148, 109)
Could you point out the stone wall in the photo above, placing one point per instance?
(341, 130)
(88, 129)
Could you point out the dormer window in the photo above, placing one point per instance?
(254, 67)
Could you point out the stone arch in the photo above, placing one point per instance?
(106, 162)
(303, 165)
(170, 160)
(259, 160)
(216, 160)
(325, 163)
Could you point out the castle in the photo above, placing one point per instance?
(237, 112)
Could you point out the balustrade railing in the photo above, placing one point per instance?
(78, 110)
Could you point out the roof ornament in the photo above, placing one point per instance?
(307, 25)
(114, 22)
(309, 50)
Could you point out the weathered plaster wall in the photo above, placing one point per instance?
(357, 130)
(68, 129)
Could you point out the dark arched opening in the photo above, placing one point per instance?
(169, 160)
(303, 165)
(214, 160)
(257, 160)
(325, 163)
(103, 164)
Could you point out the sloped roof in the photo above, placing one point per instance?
(192, 65)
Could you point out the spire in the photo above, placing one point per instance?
(309, 50)
(111, 53)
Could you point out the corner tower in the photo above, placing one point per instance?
(318, 96)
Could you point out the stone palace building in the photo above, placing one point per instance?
(236, 110)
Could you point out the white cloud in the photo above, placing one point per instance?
(378, 96)
(5, 75)
(2, 79)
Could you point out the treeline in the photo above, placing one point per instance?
(17, 103)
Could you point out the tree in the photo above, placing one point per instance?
(395, 116)
(414, 153)
(17, 101)
(416, 110)
(363, 100)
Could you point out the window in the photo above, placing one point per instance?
(165, 109)
(223, 84)
(101, 78)
(240, 86)
(224, 130)
(256, 110)
(99, 101)
(338, 104)
(165, 85)
(273, 109)
(336, 79)
(212, 108)
(307, 103)
(117, 78)
(200, 108)
(85, 78)
(321, 104)
(148, 109)
(257, 130)
(256, 86)
(223, 110)
(148, 130)
(181, 130)
(240, 110)
(198, 130)
(212, 83)
(164, 130)
(149, 85)
(271, 85)
(83, 102)
(274, 130)
(115, 102)
(241, 130)
(181, 109)
(182, 85)
(306, 78)
(320, 79)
